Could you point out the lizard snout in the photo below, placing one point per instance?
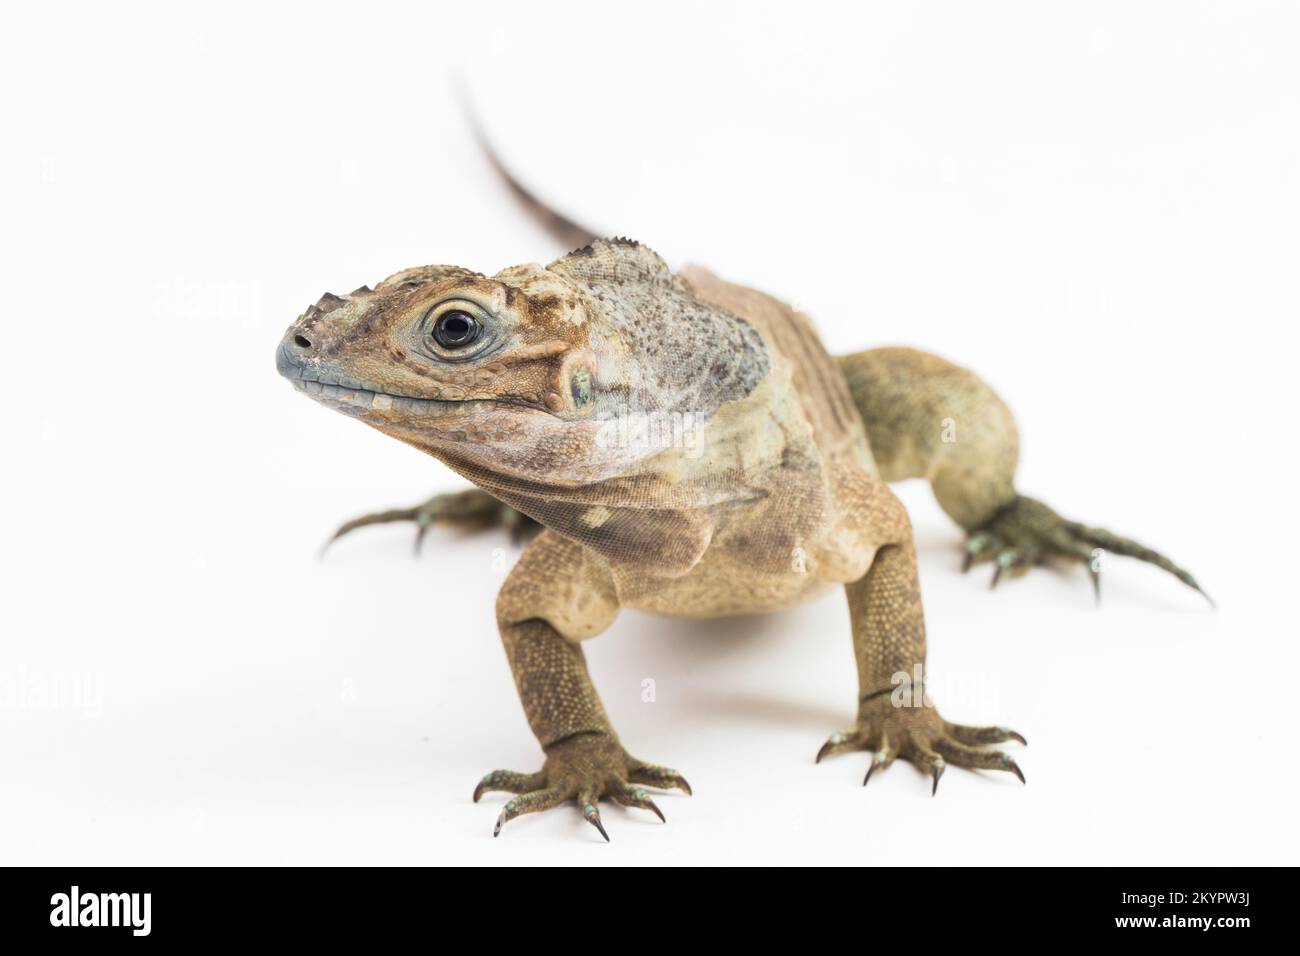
(293, 353)
(306, 341)
(302, 356)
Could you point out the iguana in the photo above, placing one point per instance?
(686, 446)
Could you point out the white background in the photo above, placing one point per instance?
(1094, 205)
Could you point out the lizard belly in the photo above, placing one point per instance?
(718, 588)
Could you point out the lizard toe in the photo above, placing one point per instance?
(976, 758)
(663, 778)
(842, 741)
(629, 795)
(508, 781)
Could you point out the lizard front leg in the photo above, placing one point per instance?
(894, 717)
(558, 595)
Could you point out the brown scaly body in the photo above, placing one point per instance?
(689, 448)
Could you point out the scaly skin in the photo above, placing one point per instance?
(690, 449)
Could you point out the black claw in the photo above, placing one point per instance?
(331, 539)
(1014, 768)
(650, 805)
(594, 819)
(870, 771)
(1015, 736)
(997, 573)
(826, 748)
(967, 561)
(501, 821)
(684, 786)
(1206, 596)
(938, 772)
(479, 790)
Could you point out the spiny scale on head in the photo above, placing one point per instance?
(589, 249)
(328, 302)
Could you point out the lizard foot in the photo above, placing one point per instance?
(920, 736)
(582, 768)
(1025, 532)
(469, 510)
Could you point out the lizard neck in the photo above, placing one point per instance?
(664, 509)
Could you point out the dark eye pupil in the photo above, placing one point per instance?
(455, 329)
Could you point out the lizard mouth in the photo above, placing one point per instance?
(351, 397)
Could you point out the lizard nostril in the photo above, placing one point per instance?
(302, 341)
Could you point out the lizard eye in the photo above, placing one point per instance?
(455, 329)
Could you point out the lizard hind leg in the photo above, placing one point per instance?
(468, 510)
(928, 418)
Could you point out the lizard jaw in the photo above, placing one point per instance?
(350, 397)
(341, 392)
(335, 389)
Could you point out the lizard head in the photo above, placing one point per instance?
(518, 376)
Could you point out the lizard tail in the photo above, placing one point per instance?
(565, 230)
